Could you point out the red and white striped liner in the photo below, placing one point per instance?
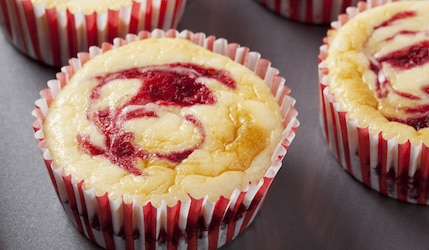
(52, 36)
(192, 224)
(308, 11)
(400, 171)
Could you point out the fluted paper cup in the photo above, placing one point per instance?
(52, 35)
(308, 11)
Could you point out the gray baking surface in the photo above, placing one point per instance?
(313, 202)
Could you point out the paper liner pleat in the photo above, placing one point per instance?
(52, 36)
(397, 170)
(191, 224)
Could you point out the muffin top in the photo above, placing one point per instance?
(161, 118)
(86, 6)
(378, 66)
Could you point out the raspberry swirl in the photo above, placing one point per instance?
(160, 88)
(398, 51)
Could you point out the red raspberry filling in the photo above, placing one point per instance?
(405, 58)
(176, 84)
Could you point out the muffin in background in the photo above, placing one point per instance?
(374, 103)
(308, 11)
(53, 31)
(113, 219)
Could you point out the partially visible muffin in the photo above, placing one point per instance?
(52, 31)
(375, 98)
(161, 124)
(308, 11)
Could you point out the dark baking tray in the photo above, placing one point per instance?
(313, 203)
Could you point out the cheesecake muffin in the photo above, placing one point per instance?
(374, 96)
(308, 11)
(165, 139)
(52, 31)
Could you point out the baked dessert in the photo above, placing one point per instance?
(162, 124)
(168, 122)
(52, 31)
(375, 99)
(308, 11)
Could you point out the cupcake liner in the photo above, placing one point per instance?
(400, 171)
(308, 11)
(52, 36)
(194, 223)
